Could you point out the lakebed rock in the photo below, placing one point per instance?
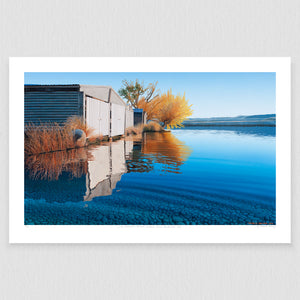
(79, 138)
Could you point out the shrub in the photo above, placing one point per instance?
(134, 130)
(152, 127)
(169, 109)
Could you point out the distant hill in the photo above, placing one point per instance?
(254, 120)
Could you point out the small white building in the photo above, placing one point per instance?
(100, 107)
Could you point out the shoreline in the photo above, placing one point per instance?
(230, 125)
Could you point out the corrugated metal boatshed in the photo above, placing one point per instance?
(100, 106)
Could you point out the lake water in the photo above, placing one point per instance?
(196, 175)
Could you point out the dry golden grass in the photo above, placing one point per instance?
(50, 137)
(152, 127)
(47, 138)
(77, 122)
(95, 139)
(138, 130)
(134, 130)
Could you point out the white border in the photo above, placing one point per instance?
(279, 233)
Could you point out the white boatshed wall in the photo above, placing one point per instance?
(129, 117)
(98, 116)
(117, 119)
(106, 112)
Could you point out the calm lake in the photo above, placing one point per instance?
(195, 175)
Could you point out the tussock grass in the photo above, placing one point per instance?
(152, 127)
(50, 137)
(76, 122)
(95, 139)
(47, 138)
(134, 130)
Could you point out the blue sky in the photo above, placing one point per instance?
(212, 94)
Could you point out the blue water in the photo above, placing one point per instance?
(196, 175)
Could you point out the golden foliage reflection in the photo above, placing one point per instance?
(159, 147)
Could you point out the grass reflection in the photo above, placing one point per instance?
(161, 148)
(51, 165)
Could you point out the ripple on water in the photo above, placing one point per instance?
(205, 177)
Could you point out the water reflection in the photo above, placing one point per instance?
(83, 174)
(106, 168)
(50, 166)
(158, 148)
(228, 179)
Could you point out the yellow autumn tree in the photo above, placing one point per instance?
(171, 110)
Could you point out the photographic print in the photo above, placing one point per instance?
(150, 150)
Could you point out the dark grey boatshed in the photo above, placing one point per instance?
(139, 116)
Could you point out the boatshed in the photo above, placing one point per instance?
(139, 117)
(100, 107)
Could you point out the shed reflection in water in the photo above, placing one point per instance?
(83, 174)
